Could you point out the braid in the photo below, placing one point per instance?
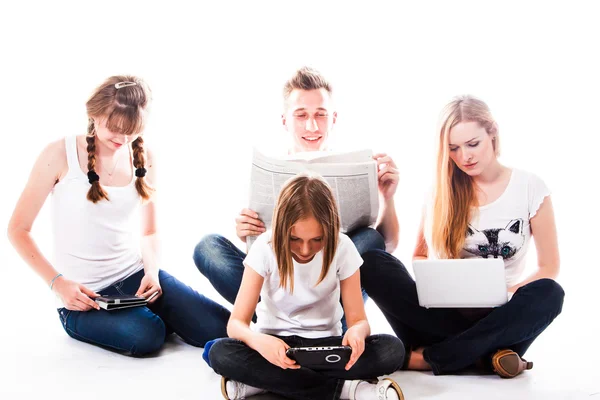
(96, 193)
(139, 160)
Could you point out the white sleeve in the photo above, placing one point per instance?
(258, 257)
(537, 192)
(348, 260)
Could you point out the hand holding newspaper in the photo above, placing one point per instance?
(351, 175)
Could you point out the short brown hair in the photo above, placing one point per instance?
(306, 78)
(302, 197)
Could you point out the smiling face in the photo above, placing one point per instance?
(306, 239)
(471, 147)
(309, 117)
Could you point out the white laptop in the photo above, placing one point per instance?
(468, 283)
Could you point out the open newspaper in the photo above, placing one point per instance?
(351, 175)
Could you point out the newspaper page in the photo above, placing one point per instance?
(351, 175)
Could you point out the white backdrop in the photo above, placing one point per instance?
(217, 70)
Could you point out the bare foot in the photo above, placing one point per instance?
(417, 362)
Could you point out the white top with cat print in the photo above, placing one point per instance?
(502, 228)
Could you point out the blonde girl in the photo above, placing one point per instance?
(299, 270)
(480, 209)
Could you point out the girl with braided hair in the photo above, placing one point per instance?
(101, 183)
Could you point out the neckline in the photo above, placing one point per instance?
(84, 174)
(503, 194)
(318, 254)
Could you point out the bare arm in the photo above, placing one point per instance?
(150, 243)
(388, 225)
(387, 220)
(45, 174)
(543, 230)
(356, 318)
(49, 168)
(271, 348)
(354, 308)
(245, 304)
(421, 250)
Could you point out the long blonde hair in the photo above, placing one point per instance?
(302, 197)
(122, 100)
(455, 195)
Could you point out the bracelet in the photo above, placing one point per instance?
(53, 279)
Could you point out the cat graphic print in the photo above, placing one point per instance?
(495, 243)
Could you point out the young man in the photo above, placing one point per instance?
(309, 116)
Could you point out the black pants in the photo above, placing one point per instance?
(233, 359)
(456, 338)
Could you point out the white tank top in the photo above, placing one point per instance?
(94, 244)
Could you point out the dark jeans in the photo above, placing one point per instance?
(455, 339)
(233, 359)
(142, 330)
(222, 263)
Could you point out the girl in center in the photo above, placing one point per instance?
(299, 269)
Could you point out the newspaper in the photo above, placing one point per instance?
(351, 175)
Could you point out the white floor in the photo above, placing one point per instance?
(40, 361)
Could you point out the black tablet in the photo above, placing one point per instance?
(118, 302)
(322, 357)
(119, 299)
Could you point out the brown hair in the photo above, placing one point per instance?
(455, 192)
(306, 78)
(302, 197)
(122, 100)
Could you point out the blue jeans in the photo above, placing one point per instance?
(222, 263)
(140, 331)
(455, 339)
(233, 359)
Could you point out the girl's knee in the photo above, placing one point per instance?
(146, 337)
(392, 353)
(548, 291)
(553, 294)
(220, 356)
(397, 353)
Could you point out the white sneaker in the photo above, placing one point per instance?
(232, 390)
(385, 389)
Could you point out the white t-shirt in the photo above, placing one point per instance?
(311, 311)
(502, 228)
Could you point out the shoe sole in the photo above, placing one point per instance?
(224, 388)
(512, 371)
(396, 387)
